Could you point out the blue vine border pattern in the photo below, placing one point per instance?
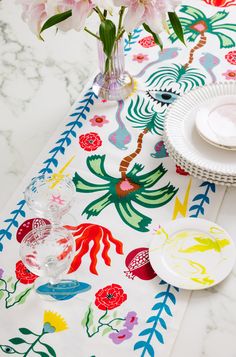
(129, 42)
(201, 199)
(60, 147)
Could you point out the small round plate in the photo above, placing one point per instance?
(216, 122)
(192, 253)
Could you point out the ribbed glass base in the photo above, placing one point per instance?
(113, 88)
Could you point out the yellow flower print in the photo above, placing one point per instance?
(53, 322)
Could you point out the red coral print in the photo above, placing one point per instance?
(147, 42)
(90, 141)
(23, 274)
(181, 171)
(221, 3)
(231, 57)
(86, 233)
(110, 297)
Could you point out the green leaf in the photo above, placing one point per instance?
(25, 331)
(94, 328)
(88, 317)
(118, 322)
(56, 19)
(49, 348)
(12, 285)
(1, 294)
(156, 38)
(106, 330)
(17, 340)
(106, 317)
(21, 297)
(114, 314)
(176, 24)
(107, 32)
(42, 354)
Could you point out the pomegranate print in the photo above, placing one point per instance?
(181, 171)
(28, 225)
(138, 264)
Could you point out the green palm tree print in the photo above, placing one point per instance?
(123, 192)
(197, 25)
(181, 77)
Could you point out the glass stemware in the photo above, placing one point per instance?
(50, 197)
(47, 252)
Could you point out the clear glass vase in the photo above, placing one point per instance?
(113, 82)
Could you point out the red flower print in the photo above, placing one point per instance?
(181, 171)
(90, 141)
(231, 57)
(98, 120)
(23, 274)
(221, 3)
(230, 74)
(147, 42)
(140, 57)
(110, 297)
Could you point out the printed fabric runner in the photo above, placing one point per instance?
(126, 188)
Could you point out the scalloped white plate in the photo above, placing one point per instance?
(216, 122)
(192, 253)
(183, 141)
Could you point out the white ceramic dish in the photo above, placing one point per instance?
(216, 122)
(204, 175)
(192, 253)
(186, 146)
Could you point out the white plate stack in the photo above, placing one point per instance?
(200, 133)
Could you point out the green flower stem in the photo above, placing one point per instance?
(5, 283)
(116, 319)
(102, 317)
(121, 13)
(31, 348)
(120, 35)
(100, 14)
(17, 301)
(120, 30)
(105, 13)
(6, 289)
(91, 33)
(101, 324)
(9, 293)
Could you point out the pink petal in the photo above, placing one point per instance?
(134, 16)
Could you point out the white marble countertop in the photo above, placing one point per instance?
(31, 73)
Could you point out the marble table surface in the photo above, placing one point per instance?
(38, 83)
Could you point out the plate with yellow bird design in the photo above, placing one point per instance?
(192, 253)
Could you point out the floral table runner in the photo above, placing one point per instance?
(126, 188)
